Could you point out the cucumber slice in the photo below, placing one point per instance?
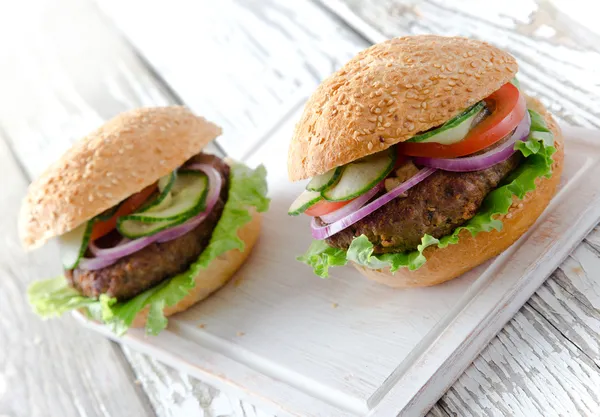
(304, 201)
(166, 182)
(362, 175)
(187, 199)
(73, 244)
(134, 229)
(454, 130)
(164, 199)
(326, 180)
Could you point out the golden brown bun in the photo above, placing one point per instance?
(390, 92)
(448, 263)
(219, 271)
(120, 158)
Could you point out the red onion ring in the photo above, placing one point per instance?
(477, 163)
(351, 207)
(323, 232)
(109, 256)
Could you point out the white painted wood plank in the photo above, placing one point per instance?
(560, 379)
(558, 57)
(243, 63)
(50, 368)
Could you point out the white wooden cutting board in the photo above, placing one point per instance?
(295, 344)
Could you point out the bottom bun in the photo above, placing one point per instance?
(218, 272)
(454, 260)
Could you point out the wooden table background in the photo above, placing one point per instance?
(67, 65)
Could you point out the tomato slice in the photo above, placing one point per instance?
(324, 207)
(104, 227)
(509, 109)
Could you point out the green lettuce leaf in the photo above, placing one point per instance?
(53, 297)
(537, 150)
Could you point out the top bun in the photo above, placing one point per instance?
(128, 153)
(390, 92)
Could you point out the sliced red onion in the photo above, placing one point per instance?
(92, 264)
(351, 207)
(323, 232)
(477, 163)
(109, 256)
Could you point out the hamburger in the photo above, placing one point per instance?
(147, 224)
(425, 159)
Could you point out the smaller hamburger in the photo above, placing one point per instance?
(425, 160)
(147, 224)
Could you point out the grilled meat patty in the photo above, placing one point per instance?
(146, 268)
(435, 206)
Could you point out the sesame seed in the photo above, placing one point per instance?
(377, 110)
(380, 128)
(424, 104)
(409, 86)
(369, 146)
(388, 124)
(393, 93)
(378, 92)
(447, 88)
(372, 119)
(520, 205)
(380, 118)
(473, 64)
(509, 216)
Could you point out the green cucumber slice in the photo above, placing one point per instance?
(454, 130)
(164, 199)
(73, 244)
(304, 201)
(187, 199)
(134, 229)
(362, 175)
(326, 180)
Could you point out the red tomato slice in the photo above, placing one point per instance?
(324, 207)
(102, 228)
(509, 109)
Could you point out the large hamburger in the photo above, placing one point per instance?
(147, 224)
(425, 159)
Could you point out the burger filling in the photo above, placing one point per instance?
(383, 210)
(144, 253)
(156, 262)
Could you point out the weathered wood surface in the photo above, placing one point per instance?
(57, 90)
(243, 63)
(546, 361)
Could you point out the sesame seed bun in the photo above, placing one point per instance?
(128, 153)
(218, 272)
(390, 92)
(450, 262)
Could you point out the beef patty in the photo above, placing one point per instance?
(435, 206)
(141, 270)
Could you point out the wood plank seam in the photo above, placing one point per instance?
(575, 345)
(563, 279)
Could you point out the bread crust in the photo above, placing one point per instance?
(126, 154)
(218, 272)
(388, 93)
(452, 261)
